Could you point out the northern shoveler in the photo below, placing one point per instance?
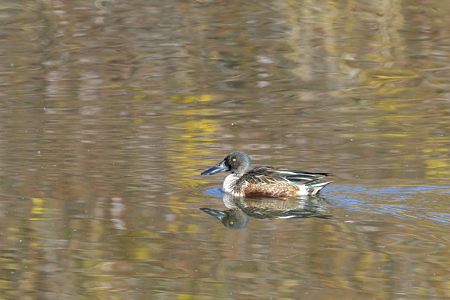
(245, 181)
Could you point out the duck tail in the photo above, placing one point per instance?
(315, 186)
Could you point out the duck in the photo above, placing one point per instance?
(265, 181)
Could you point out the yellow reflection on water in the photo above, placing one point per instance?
(193, 132)
(192, 98)
(437, 168)
(38, 208)
(437, 161)
(191, 139)
(382, 76)
(390, 104)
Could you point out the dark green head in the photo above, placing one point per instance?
(236, 162)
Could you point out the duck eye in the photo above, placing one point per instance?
(233, 159)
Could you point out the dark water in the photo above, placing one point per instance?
(110, 110)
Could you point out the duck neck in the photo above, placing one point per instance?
(229, 184)
(241, 170)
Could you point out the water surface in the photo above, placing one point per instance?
(110, 110)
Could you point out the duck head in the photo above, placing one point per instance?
(235, 162)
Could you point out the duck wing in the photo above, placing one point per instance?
(267, 174)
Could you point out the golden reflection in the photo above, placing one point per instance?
(186, 297)
(437, 161)
(142, 253)
(389, 104)
(191, 140)
(194, 130)
(38, 208)
(382, 76)
(192, 98)
(438, 168)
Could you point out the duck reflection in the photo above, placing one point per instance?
(239, 209)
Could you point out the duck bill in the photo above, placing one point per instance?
(219, 215)
(216, 169)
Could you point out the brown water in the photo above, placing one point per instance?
(111, 109)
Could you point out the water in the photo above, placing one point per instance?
(111, 109)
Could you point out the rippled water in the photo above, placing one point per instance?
(110, 110)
